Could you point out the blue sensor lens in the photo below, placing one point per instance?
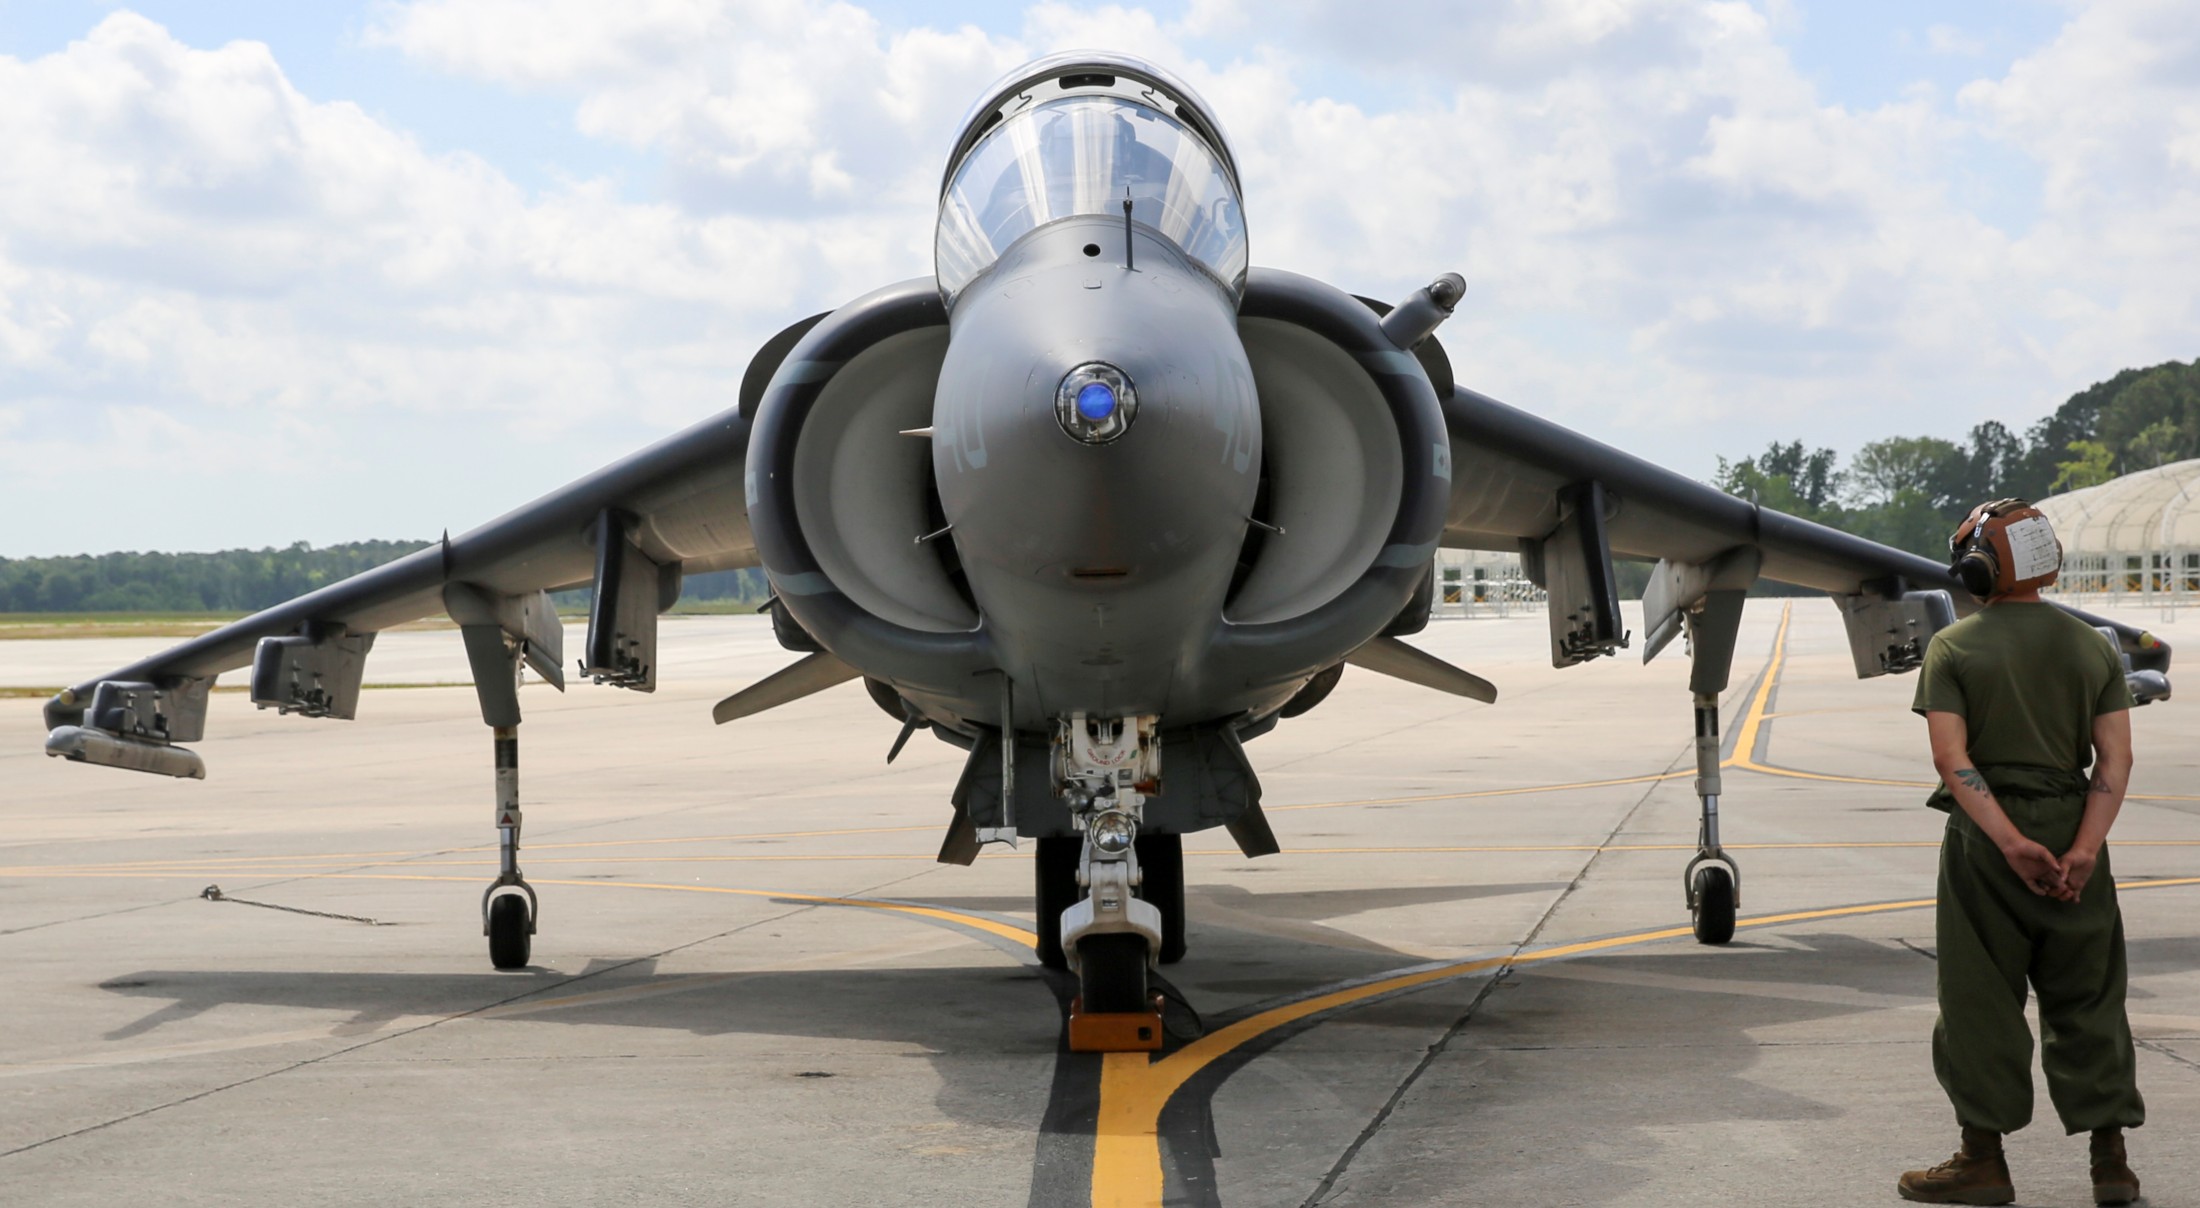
(1096, 402)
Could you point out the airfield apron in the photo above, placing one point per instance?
(1995, 934)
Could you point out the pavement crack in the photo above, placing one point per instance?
(1927, 953)
(2163, 1049)
(1398, 1093)
(104, 914)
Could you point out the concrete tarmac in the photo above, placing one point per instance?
(1466, 980)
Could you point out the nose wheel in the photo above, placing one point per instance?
(1161, 882)
(1111, 973)
(1054, 866)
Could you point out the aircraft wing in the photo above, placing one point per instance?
(1522, 483)
(633, 528)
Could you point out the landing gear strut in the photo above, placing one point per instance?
(1712, 880)
(508, 906)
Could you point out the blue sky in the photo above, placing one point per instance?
(403, 266)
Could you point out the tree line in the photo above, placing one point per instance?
(1910, 491)
(1905, 491)
(247, 580)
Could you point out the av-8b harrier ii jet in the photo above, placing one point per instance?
(1099, 503)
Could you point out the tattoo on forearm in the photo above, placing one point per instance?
(2101, 785)
(1973, 781)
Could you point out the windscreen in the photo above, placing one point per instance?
(1078, 155)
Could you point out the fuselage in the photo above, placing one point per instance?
(1100, 565)
(1088, 519)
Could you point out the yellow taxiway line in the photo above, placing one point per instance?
(1134, 1088)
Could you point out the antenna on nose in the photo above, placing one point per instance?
(1128, 267)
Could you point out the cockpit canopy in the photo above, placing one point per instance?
(1074, 134)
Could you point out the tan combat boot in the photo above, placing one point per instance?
(2113, 1182)
(1976, 1175)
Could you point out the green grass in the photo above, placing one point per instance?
(109, 618)
(34, 626)
(26, 626)
(715, 608)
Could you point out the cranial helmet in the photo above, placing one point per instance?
(2004, 546)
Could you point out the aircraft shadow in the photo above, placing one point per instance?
(1627, 1026)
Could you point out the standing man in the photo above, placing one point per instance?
(2017, 700)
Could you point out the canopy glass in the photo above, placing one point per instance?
(1082, 155)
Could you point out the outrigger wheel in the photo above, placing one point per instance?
(511, 930)
(1711, 897)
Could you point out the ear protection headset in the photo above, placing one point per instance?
(2004, 546)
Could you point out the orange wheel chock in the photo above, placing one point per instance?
(1114, 1031)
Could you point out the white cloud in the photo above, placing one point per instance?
(183, 234)
(1671, 239)
(1948, 40)
(754, 102)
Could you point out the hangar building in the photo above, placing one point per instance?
(2133, 540)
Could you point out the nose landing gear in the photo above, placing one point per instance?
(1111, 936)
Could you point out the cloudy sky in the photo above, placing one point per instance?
(275, 271)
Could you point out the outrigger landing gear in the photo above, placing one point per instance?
(1704, 601)
(508, 906)
(1712, 880)
(503, 633)
(1111, 936)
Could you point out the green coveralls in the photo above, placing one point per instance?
(2028, 679)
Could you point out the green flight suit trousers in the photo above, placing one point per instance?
(1995, 935)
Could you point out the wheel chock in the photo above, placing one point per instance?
(1114, 1031)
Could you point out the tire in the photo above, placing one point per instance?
(1054, 871)
(1161, 867)
(1111, 977)
(509, 940)
(1714, 921)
